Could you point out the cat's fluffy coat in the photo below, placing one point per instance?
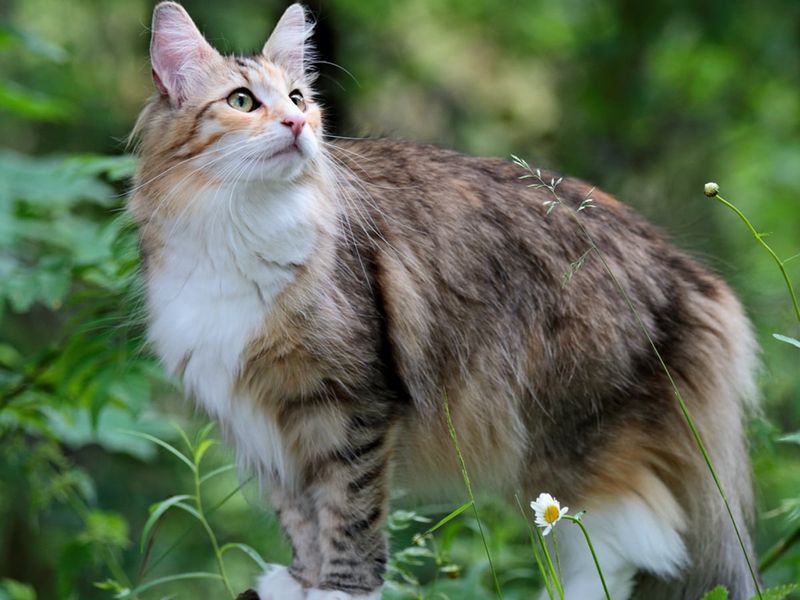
(321, 300)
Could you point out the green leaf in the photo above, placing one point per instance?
(105, 528)
(778, 592)
(792, 438)
(249, 551)
(32, 105)
(116, 168)
(49, 183)
(73, 426)
(15, 590)
(112, 586)
(183, 435)
(168, 579)
(9, 356)
(203, 433)
(787, 339)
(131, 389)
(170, 448)
(202, 449)
(216, 472)
(156, 512)
(718, 593)
(449, 517)
(12, 38)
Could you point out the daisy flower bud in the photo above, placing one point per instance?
(711, 189)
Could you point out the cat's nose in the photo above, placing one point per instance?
(295, 122)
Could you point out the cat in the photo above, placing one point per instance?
(323, 300)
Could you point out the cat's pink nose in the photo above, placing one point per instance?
(295, 122)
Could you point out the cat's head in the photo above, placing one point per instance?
(230, 118)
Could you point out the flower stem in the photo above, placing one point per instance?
(580, 524)
(536, 554)
(760, 239)
(553, 573)
(211, 536)
(558, 557)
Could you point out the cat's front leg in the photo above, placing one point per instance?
(297, 514)
(278, 584)
(352, 503)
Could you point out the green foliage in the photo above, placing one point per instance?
(14, 590)
(194, 506)
(780, 592)
(71, 369)
(718, 593)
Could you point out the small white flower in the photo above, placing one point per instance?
(548, 512)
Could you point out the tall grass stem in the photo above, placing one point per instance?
(468, 485)
(545, 577)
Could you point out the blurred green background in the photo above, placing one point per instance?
(649, 100)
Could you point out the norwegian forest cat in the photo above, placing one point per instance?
(321, 300)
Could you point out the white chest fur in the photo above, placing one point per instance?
(210, 292)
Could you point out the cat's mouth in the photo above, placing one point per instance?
(289, 150)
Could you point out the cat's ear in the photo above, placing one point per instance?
(288, 46)
(179, 53)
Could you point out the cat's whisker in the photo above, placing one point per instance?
(338, 148)
(188, 206)
(344, 137)
(176, 187)
(340, 67)
(166, 171)
(173, 191)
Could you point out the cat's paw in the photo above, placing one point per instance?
(278, 584)
(314, 594)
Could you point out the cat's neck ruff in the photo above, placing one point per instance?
(222, 265)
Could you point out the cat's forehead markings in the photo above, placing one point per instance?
(257, 68)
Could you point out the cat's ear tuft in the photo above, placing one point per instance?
(179, 53)
(288, 46)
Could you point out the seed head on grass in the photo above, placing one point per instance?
(548, 512)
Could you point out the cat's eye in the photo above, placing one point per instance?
(296, 96)
(243, 100)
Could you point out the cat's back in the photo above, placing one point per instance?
(434, 188)
(484, 222)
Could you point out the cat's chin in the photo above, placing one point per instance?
(284, 166)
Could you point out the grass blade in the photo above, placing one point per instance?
(168, 447)
(449, 518)
(157, 512)
(169, 579)
(249, 551)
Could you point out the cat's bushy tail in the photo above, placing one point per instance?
(720, 391)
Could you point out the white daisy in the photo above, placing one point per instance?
(548, 512)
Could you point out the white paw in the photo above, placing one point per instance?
(314, 594)
(277, 584)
